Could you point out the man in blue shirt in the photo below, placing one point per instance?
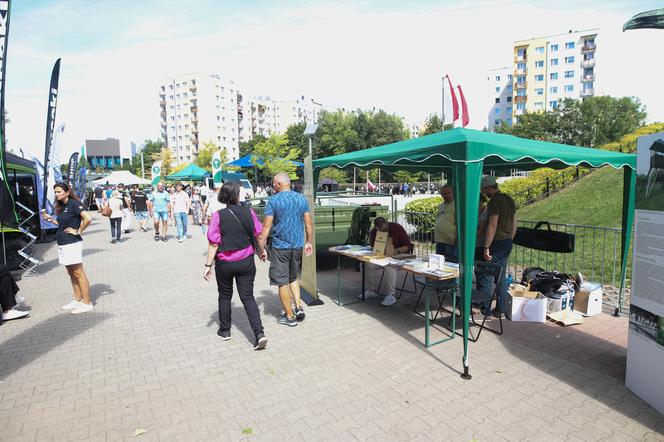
(160, 205)
(287, 216)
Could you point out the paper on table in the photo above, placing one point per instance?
(382, 262)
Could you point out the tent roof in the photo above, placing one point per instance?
(191, 172)
(650, 19)
(121, 176)
(437, 152)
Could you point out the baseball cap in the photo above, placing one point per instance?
(488, 181)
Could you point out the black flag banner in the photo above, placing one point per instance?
(8, 214)
(71, 170)
(50, 123)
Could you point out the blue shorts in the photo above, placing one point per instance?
(163, 216)
(141, 215)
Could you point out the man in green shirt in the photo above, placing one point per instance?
(500, 230)
(445, 231)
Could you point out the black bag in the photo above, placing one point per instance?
(546, 240)
(548, 283)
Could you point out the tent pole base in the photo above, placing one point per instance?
(465, 374)
(616, 313)
(309, 299)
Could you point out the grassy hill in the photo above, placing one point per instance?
(595, 200)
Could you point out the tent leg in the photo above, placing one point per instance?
(465, 374)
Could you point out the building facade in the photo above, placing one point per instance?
(104, 154)
(500, 88)
(546, 70)
(196, 109)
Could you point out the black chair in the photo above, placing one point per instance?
(496, 272)
(443, 289)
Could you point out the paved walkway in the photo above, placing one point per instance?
(147, 360)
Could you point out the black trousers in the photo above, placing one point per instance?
(244, 272)
(116, 228)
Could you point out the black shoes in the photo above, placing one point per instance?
(224, 335)
(285, 320)
(261, 342)
(299, 314)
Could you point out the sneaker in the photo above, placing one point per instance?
(113, 241)
(285, 320)
(224, 335)
(184, 238)
(19, 299)
(368, 294)
(180, 239)
(299, 314)
(71, 305)
(143, 229)
(82, 308)
(14, 314)
(388, 301)
(163, 238)
(261, 342)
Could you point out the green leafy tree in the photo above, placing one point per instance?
(166, 157)
(277, 155)
(340, 176)
(204, 158)
(247, 147)
(297, 139)
(433, 124)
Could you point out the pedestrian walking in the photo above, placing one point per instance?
(126, 211)
(287, 216)
(231, 246)
(115, 204)
(181, 205)
(71, 220)
(139, 204)
(160, 207)
(196, 206)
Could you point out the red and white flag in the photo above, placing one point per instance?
(465, 117)
(370, 186)
(450, 103)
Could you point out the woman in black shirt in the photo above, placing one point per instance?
(72, 220)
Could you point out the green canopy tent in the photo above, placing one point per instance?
(646, 20)
(466, 154)
(190, 173)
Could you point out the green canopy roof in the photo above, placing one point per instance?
(190, 173)
(650, 19)
(438, 152)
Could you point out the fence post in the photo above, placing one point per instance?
(548, 187)
(576, 174)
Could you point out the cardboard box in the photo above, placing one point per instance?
(588, 303)
(436, 262)
(525, 306)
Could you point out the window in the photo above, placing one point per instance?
(497, 111)
(569, 74)
(521, 106)
(539, 91)
(553, 76)
(539, 50)
(498, 89)
(554, 62)
(496, 122)
(553, 90)
(184, 95)
(521, 93)
(498, 100)
(539, 77)
(569, 45)
(497, 77)
(539, 105)
(520, 79)
(539, 64)
(509, 121)
(509, 88)
(509, 99)
(521, 66)
(569, 60)
(509, 77)
(508, 110)
(569, 88)
(554, 48)
(553, 104)
(521, 52)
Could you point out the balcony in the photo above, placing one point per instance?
(194, 109)
(163, 114)
(520, 99)
(519, 112)
(587, 64)
(194, 119)
(162, 94)
(590, 77)
(192, 88)
(523, 85)
(518, 58)
(588, 92)
(162, 103)
(588, 47)
(521, 72)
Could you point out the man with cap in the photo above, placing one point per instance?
(500, 231)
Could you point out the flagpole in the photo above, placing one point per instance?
(442, 113)
(367, 180)
(354, 179)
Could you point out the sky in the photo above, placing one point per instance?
(387, 55)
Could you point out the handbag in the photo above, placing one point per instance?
(106, 211)
(546, 240)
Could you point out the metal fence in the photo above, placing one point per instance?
(596, 255)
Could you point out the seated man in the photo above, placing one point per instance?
(397, 242)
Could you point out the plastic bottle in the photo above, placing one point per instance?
(509, 280)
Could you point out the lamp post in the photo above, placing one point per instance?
(309, 131)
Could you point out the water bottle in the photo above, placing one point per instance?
(509, 280)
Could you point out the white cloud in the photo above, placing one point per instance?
(342, 55)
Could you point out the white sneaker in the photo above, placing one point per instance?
(368, 294)
(14, 314)
(19, 299)
(71, 305)
(82, 308)
(180, 239)
(388, 301)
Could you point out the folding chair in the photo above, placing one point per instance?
(495, 271)
(443, 289)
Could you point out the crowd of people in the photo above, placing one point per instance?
(405, 189)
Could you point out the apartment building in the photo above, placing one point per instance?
(547, 70)
(500, 84)
(196, 109)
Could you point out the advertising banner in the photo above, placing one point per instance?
(40, 196)
(156, 173)
(50, 123)
(645, 351)
(216, 167)
(71, 170)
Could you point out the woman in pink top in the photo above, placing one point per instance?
(231, 245)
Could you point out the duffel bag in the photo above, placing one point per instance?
(546, 240)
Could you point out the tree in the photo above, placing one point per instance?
(296, 137)
(433, 124)
(277, 156)
(247, 147)
(332, 173)
(166, 158)
(204, 158)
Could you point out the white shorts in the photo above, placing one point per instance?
(70, 254)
